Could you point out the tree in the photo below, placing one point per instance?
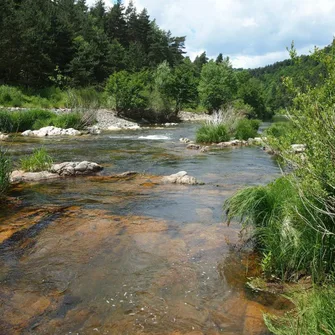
(183, 85)
(200, 61)
(217, 85)
(219, 59)
(127, 91)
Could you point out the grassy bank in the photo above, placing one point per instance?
(292, 219)
(19, 121)
(5, 170)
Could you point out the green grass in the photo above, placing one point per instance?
(19, 121)
(314, 314)
(39, 160)
(246, 129)
(5, 170)
(212, 134)
(11, 96)
(284, 230)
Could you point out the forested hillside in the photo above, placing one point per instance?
(304, 70)
(138, 69)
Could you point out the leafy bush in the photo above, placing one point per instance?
(127, 90)
(212, 134)
(246, 129)
(314, 314)
(11, 96)
(39, 160)
(5, 170)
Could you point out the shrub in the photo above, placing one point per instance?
(246, 129)
(212, 134)
(39, 160)
(11, 96)
(5, 170)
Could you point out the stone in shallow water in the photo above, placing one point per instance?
(180, 178)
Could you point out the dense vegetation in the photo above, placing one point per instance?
(19, 121)
(49, 48)
(293, 217)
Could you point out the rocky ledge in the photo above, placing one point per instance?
(66, 169)
(52, 131)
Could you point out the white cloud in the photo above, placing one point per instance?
(248, 31)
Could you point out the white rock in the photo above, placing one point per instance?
(52, 131)
(180, 178)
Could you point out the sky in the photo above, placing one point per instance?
(252, 33)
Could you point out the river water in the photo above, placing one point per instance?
(107, 255)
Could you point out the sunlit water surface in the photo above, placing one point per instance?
(106, 255)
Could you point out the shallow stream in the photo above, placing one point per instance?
(102, 255)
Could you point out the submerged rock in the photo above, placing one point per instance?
(193, 146)
(52, 131)
(181, 178)
(232, 143)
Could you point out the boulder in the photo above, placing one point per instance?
(52, 131)
(298, 148)
(3, 136)
(75, 168)
(19, 176)
(184, 140)
(181, 178)
(94, 130)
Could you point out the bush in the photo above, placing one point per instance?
(246, 129)
(314, 314)
(11, 96)
(212, 134)
(39, 160)
(5, 170)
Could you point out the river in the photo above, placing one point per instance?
(102, 255)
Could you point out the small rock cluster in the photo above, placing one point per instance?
(181, 178)
(109, 121)
(51, 131)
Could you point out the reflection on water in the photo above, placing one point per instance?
(105, 255)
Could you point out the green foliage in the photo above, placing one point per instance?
(217, 85)
(5, 170)
(39, 160)
(127, 90)
(19, 121)
(11, 96)
(211, 133)
(314, 314)
(45, 43)
(246, 129)
(294, 216)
